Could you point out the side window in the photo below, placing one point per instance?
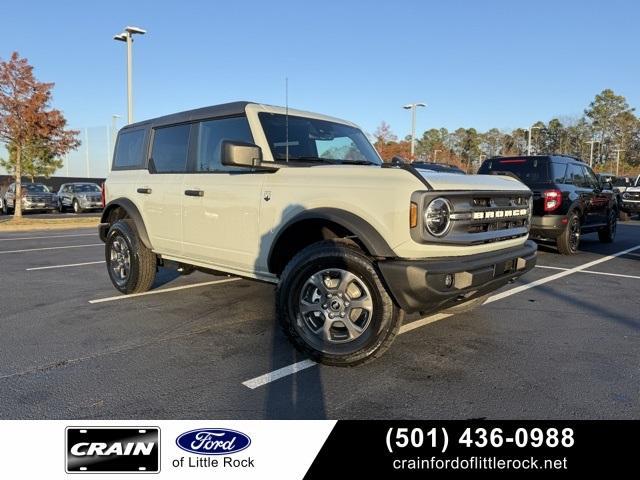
(575, 175)
(210, 137)
(170, 149)
(130, 150)
(591, 181)
(558, 171)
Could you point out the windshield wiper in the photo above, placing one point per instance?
(357, 162)
(307, 159)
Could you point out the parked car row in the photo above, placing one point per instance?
(38, 197)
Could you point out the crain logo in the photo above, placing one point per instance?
(104, 449)
(213, 441)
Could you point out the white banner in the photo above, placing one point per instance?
(183, 449)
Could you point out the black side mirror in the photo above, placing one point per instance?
(241, 154)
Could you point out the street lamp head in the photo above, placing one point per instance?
(134, 30)
(121, 37)
(409, 106)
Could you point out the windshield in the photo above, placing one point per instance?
(309, 139)
(35, 187)
(86, 187)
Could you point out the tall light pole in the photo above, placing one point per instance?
(618, 150)
(529, 144)
(412, 107)
(591, 142)
(435, 155)
(127, 37)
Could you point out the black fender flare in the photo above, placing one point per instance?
(375, 244)
(132, 212)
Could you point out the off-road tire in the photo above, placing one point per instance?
(564, 242)
(384, 322)
(608, 233)
(143, 261)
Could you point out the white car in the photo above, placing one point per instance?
(304, 201)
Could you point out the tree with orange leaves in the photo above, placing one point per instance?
(26, 117)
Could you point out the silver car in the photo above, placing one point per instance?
(79, 196)
(35, 197)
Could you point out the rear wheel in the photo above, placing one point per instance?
(608, 233)
(332, 305)
(131, 265)
(569, 240)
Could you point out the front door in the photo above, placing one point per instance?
(221, 204)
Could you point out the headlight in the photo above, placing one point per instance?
(625, 195)
(437, 217)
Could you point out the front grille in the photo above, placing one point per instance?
(38, 199)
(481, 217)
(632, 196)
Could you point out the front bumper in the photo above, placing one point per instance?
(419, 285)
(36, 206)
(547, 226)
(631, 207)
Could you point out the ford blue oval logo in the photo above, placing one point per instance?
(213, 441)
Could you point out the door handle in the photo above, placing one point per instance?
(146, 190)
(194, 193)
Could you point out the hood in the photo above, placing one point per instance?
(456, 181)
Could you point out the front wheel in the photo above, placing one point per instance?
(608, 233)
(569, 240)
(76, 206)
(131, 265)
(332, 305)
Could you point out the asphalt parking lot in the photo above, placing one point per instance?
(562, 342)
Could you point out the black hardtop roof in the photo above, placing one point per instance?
(222, 110)
(558, 156)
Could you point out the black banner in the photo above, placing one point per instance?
(395, 449)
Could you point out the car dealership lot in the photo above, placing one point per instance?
(72, 347)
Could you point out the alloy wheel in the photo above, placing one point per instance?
(335, 306)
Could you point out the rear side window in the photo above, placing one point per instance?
(529, 170)
(210, 137)
(170, 149)
(130, 150)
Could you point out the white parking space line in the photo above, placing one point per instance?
(592, 272)
(49, 236)
(291, 369)
(51, 248)
(277, 374)
(163, 290)
(555, 276)
(64, 266)
(423, 321)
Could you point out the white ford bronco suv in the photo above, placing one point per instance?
(303, 201)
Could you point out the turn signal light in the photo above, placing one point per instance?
(413, 215)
